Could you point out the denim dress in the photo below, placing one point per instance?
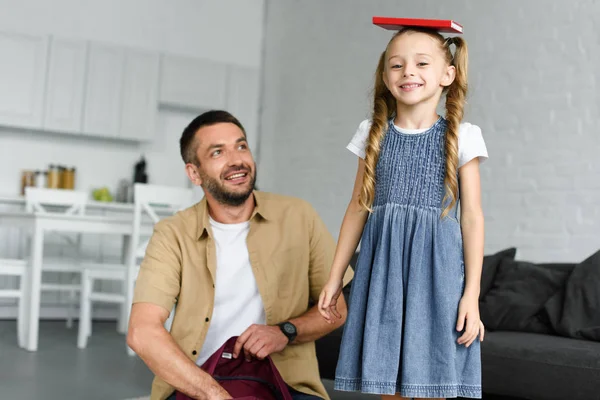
(400, 335)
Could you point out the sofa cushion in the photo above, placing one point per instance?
(537, 366)
(574, 311)
(490, 267)
(518, 294)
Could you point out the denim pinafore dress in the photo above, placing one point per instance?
(400, 334)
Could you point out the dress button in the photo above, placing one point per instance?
(194, 352)
(206, 319)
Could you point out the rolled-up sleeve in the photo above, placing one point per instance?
(159, 279)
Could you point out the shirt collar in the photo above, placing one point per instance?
(261, 209)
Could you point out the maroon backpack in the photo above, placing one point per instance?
(255, 379)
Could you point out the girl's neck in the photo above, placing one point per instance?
(415, 117)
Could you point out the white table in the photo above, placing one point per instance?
(38, 224)
(91, 204)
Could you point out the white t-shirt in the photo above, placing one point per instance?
(237, 301)
(470, 141)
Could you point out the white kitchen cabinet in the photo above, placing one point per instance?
(139, 96)
(22, 79)
(67, 85)
(63, 105)
(104, 85)
(243, 98)
(194, 84)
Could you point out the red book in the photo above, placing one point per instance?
(440, 25)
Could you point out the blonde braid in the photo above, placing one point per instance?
(455, 101)
(384, 106)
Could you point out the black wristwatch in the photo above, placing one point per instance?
(289, 330)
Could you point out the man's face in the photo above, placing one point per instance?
(226, 168)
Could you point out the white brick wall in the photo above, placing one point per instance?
(534, 75)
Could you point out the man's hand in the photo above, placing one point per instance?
(260, 341)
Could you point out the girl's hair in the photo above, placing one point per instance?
(384, 108)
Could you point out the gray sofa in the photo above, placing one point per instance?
(542, 330)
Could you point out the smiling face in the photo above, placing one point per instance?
(226, 169)
(416, 69)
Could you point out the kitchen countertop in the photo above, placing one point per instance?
(92, 204)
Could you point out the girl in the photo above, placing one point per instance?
(413, 319)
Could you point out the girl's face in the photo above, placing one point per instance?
(416, 70)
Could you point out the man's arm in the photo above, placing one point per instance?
(312, 326)
(155, 346)
(261, 341)
(156, 290)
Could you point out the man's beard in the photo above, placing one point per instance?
(224, 196)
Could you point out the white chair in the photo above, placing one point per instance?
(68, 202)
(154, 201)
(16, 268)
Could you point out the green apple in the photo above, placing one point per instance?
(102, 194)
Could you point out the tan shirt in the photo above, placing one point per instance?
(291, 253)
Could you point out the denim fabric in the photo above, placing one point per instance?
(400, 335)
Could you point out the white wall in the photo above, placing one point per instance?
(228, 31)
(221, 30)
(534, 80)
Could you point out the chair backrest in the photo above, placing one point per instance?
(153, 198)
(38, 199)
(156, 201)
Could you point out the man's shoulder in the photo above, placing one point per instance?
(281, 199)
(183, 222)
(279, 203)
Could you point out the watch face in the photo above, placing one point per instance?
(289, 328)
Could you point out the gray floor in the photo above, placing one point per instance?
(60, 371)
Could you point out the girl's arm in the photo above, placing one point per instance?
(350, 233)
(472, 225)
(351, 230)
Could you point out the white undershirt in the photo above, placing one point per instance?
(470, 141)
(237, 301)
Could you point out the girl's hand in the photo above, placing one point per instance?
(468, 319)
(328, 300)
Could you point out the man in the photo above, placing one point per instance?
(239, 263)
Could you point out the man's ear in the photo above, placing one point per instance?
(193, 175)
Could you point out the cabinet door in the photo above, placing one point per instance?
(243, 97)
(66, 82)
(104, 83)
(22, 79)
(193, 83)
(140, 96)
